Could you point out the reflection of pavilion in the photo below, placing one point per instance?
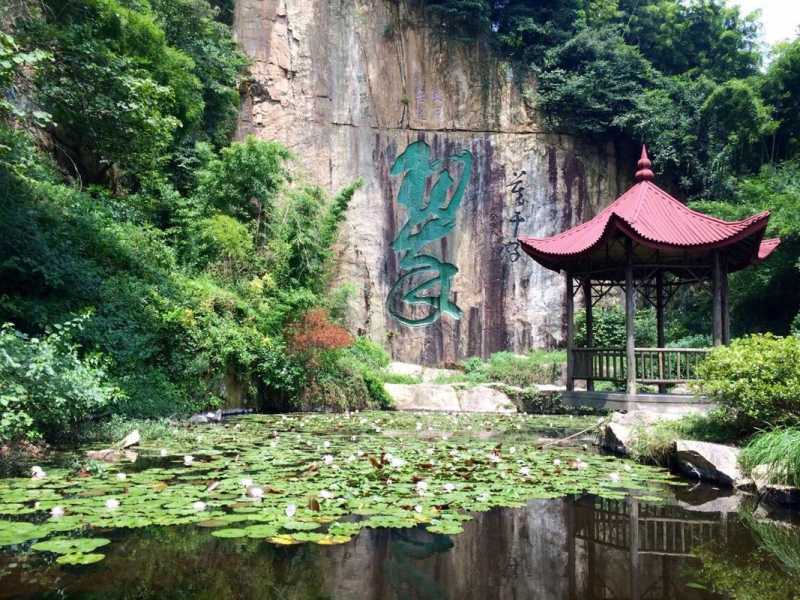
(643, 546)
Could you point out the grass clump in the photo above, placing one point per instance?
(778, 451)
(521, 370)
(654, 443)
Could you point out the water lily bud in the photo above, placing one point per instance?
(291, 509)
(627, 468)
(122, 476)
(57, 511)
(328, 459)
(112, 503)
(255, 491)
(199, 506)
(419, 426)
(188, 460)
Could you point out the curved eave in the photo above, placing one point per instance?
(752, 227)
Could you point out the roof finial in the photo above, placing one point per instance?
(644, 172)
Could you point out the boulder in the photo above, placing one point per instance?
(709, 462)
(617, 434)
(775, 493)
(423, 396)
(449, 398)
(132, 439)
(484, 399)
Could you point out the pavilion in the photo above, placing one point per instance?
(648, 244)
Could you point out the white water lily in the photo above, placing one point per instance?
(199, 506)
(326, 444)
(37, 473)
(512, 450)
(122, 476)
(188, 460)
(422, 487)
(525, 471)
(628, 468)
(614, 476)
(429, 451)
(112, 503)
(255, 491)
(57, 511)
(291, 509)
(419, 426)
(448, 487)
(418, 508)
(325, 494)
(557, 462)
(581, 465)
(246, 482)
(494, 458)
(328, 459)
(483, 497)
(353, 438)
(396, 463)
(360, 453)
(163, 452)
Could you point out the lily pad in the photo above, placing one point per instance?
(71, 545)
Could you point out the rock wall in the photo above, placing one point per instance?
(347, 85)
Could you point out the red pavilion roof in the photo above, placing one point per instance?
(652, 218)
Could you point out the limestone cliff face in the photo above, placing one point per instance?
(348, 85)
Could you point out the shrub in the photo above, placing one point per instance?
(515, 369)
(315, 331)
(608, 328)
(756, 379)
(46, 388)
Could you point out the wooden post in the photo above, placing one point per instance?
(570, 318)
(587, 301)
(630, 319)
(661, 340)
(634, 549)
(726, 311)
(716, 312)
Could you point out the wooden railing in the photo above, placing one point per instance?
(653, 365)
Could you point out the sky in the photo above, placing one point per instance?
(780, 17)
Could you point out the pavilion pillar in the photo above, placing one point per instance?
(661, 340)
(570, 319)
(716, 310)
(630, 319)
(726, 311)
(587, 301)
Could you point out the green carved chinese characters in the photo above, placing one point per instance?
(429, 219)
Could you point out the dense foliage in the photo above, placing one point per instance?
(687, 78)
(190, 256)
(756, 379)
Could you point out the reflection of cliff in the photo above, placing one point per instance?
(348, 85)
(559, 549)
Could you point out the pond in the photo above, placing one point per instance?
(384, 505)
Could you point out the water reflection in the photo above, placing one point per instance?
(577, 548)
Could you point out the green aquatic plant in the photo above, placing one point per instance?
(313, 478)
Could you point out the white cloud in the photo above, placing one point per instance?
(781, 18)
